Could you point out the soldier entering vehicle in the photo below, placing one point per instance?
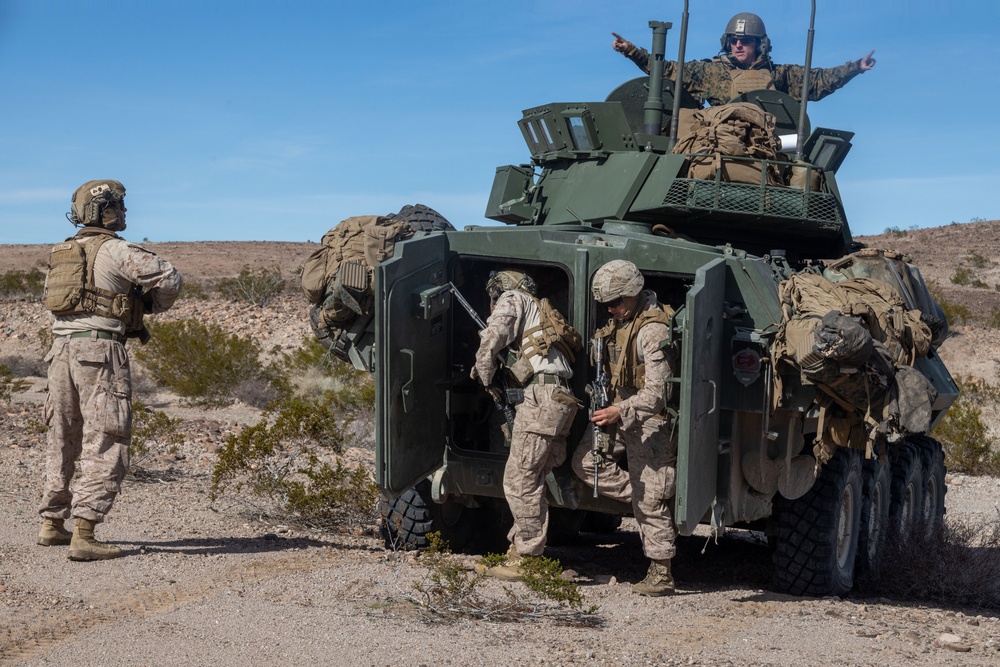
(98, 287)
(545, 346)
(744, 64)
(637, 422)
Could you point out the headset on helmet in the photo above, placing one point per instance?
(509, 279)
(749, 25)
(617, 278)
(92, 199)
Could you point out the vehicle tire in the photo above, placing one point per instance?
(817, 535)
(425, 219)
(907, 492)
(601, 523)
(932, 467)
(875, 493)
(408, 519)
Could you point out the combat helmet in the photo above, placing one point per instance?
(92, 199)
(509, 279)
(749, 25)
(617, 278)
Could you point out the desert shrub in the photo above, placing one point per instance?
(22, 284)
(954, 312)
(311, 368)
(255, 286)
(957, 565)
(45, 339)
(288, 463)
(22, 366)
(977, 260)
(194, 289)
(450, 590)
(965, 277)
(993, 321)
(200, 362)
(151, 428)
(9, 384)
(895, 231)
(968, 446)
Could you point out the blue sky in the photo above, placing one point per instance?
(274, 120)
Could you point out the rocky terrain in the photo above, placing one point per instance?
(209, 582)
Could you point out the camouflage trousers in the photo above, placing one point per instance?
(648, 483)
(88, 412)
(538, 444)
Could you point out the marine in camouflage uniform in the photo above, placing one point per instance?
(744, 64)
(543, 419)
(88, 409)
(637, 422)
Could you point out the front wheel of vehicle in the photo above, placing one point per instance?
(408, 520)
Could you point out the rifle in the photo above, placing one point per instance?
(598, 392)
(504, 396)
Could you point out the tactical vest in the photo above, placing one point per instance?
(623, 349)
(552, 331)
(70, 288)
(745, 80)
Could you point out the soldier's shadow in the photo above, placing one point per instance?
(267, 543)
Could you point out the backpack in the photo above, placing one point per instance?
(69, 287)
(552, 331)
(738, 129)
(338, 277)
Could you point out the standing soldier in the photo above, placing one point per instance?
(546, 346)
(637, 420)
(98, 288)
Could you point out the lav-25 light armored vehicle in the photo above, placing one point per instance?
(603, 184)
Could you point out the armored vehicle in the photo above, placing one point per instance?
(764, 442)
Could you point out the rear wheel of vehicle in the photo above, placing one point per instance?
(408, 519)
(817, 535)
(906, 498)
(875, 492)
(932, 466)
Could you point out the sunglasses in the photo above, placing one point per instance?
(614, 303)
(742, 39)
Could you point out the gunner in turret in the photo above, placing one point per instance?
(744, 64)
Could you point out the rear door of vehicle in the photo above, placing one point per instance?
(412, 322)
(701, 364)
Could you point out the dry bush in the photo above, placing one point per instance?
(254, 286)
(10, 385)
(451, 591)
(201, 362)
(968, 446)
(22, 284)
(957, 565)
(151, 430)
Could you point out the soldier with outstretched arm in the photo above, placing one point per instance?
(744, 64)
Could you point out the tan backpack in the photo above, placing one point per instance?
(339, 275)
(69, 287)
(738, 129)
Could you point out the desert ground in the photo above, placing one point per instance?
(207, 582)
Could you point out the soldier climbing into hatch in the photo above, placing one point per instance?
(744, 64)
(546, 348)
(638, 423)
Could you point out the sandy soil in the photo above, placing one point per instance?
(206, 582)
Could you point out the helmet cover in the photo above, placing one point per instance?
(509, 279)
(617, 278)
(91, 199)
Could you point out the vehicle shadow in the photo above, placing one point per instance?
(267, 543)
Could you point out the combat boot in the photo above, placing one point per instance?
(85, 547)
(510, 570)
(53, 533)
(658, 580)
